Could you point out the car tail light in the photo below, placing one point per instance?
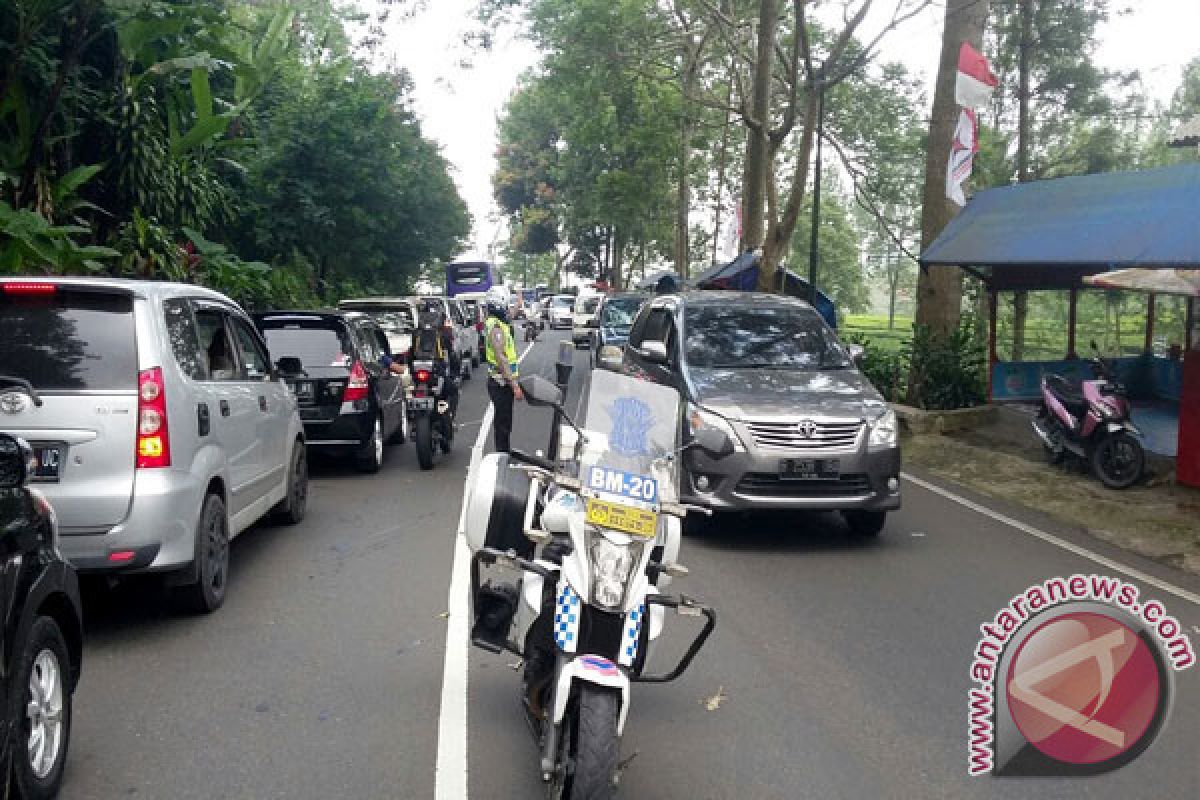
(121, 556)
(153, 439)
(357, 386)
(30, 287)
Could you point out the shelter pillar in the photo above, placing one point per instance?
(1189, 324)
(1149, 346)
(992, 359)
(1072, 308)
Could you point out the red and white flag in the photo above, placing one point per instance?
(962, 155)
(974, 83)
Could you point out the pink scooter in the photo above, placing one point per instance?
(1091, 421)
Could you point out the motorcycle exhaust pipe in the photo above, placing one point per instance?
(1044, 436)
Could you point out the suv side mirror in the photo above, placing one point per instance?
(16, 461)
(856, 352)
(290, 365)
(713, 443)
(540, 392)
(654, 352)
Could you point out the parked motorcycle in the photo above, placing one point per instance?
(593, 537)
(1091, 421)
(432, 422)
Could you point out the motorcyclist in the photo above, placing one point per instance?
(433, 341)
(501, 352)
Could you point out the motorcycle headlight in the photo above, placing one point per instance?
(700, 418)
(612, 566)
(883, 430)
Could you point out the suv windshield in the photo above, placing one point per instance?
(316, 344)
(68, 340)
(619, 313)
(760, 338)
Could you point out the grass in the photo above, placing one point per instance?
(874, 328)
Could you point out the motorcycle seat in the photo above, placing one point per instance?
(1068, 393)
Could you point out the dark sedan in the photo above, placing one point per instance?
(42, 631)
(614, 318)
(350, 402)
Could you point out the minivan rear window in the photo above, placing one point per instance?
(316, 344)
(69, 340)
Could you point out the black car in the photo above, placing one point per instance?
(42, 631)
(614, 318)
(334, 362)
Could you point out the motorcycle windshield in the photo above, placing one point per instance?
(640, 421)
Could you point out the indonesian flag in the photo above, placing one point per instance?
(962, 155)
(975, 81)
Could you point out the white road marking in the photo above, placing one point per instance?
(450, 777)
(1050, 538)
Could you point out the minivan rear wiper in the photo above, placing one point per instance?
(24, 384)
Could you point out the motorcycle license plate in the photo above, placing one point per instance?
(617, 517)
(422, 403)
(624, 487)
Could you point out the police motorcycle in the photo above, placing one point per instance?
(429, 405)
(592, 539)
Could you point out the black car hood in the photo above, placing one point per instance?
(766, 393)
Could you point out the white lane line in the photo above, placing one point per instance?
(1050, 538)
(450, 776)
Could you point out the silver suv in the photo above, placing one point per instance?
(809, 430)
(161, 429)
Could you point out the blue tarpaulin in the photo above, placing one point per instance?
(1049, 234)
(741, 275)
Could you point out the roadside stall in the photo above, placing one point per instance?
(741, 275)
(1058, 234)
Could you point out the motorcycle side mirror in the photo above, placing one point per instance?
(16, 461)
(540, 392)
(713, 443)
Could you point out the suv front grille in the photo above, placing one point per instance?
(764, 484)
(804, 435)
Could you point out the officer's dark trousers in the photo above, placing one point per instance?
(502, 402)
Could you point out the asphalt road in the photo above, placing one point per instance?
(842, 666)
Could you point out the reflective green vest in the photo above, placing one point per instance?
(510, 347)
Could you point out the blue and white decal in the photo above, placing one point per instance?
(633, 629)
(615, 484)
(566, 620)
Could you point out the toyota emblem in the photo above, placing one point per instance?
(807, 428)
(12, 402)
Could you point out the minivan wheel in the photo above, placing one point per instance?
(865, 523)
(370, 455)
(207, 593)
(291, 509)
(40, 706)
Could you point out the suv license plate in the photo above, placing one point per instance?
(47, 460)
(827, 469)
(635, 521)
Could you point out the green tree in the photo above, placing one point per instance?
(839, 257)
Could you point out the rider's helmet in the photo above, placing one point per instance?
(667, 284)
(497, 301)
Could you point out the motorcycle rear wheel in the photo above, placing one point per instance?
(423, 434)
(1118, 461)
(590, 748)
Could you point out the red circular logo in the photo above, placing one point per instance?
(1083, 688)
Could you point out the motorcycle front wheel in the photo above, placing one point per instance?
(423, 434)
(1118, 460)
(589, 748)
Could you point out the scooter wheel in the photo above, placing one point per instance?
(1118, 460)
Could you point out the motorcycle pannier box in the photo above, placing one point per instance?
(505, 522)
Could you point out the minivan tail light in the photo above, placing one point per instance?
(29, 287)
(153, 438)
(357, 387)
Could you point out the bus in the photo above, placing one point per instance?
(471, 276)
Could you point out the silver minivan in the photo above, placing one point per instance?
(160, 428)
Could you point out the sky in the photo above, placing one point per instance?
(459, 105)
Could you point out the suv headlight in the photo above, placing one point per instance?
(700, 418)
(612, 565)
(883, 430)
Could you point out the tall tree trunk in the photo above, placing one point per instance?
(722, 158)
(779, 238)
(758, 127)
(939, 289)
(1021, 299)
(683, 194)
(617, 253)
